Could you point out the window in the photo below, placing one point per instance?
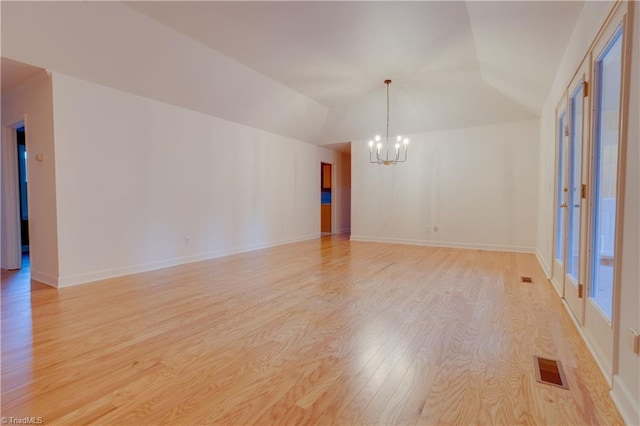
(605, 176)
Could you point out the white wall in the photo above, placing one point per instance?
(113, 45)
(136, 176)
(466, 101)
(626, 379)
(626, 382)
(477, 185)
(32, 103)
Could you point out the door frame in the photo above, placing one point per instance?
(604, 333)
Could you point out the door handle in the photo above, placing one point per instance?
(563, 206)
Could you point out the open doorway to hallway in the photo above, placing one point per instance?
(16, 261)
(325, 198)
(15, 206)
(22, 192)
(336, 190)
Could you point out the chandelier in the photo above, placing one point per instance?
(385, 153)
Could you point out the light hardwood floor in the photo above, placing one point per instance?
(319, 332)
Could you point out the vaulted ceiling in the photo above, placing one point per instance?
(14, 73)
(338, 52)
(453, 64)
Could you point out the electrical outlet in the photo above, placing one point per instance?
(187, 240)
(634, 339)
(435, 229)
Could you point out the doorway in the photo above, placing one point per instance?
(14, 197)
(325, 198)
(22, 191)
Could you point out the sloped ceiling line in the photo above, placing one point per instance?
(312, 71)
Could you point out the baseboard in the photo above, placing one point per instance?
(43, 278)
(344, 231)
(86, 278)
(606, 374)
(624, 401)
(557, 287)
(619, 393)
(447, 244)
(545, 266)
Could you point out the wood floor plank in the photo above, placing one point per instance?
(320, 332)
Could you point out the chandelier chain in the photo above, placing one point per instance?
(388, 112)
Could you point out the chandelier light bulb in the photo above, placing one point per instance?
(384, 154)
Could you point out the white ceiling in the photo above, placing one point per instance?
(520, 45)
(15, 73)
(312, 71)
(338, 52)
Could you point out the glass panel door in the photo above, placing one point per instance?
(578, 121)
(560, 188)
(575, 182)
(559, 246)
(608, 74)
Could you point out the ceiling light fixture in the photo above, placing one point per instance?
(385, 154)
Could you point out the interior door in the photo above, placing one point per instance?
(561, 189)
(576, 177)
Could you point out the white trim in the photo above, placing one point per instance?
(85, 278)
(545, 266)
(344, 231)
(627, 406)
(476, 246)
(595, 353)
(44, 278)
(557, 286)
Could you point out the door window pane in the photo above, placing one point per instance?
(607, 113)
(575, 183)
(559, 190)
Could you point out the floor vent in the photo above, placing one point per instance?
(526, 279)
(549, 372)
